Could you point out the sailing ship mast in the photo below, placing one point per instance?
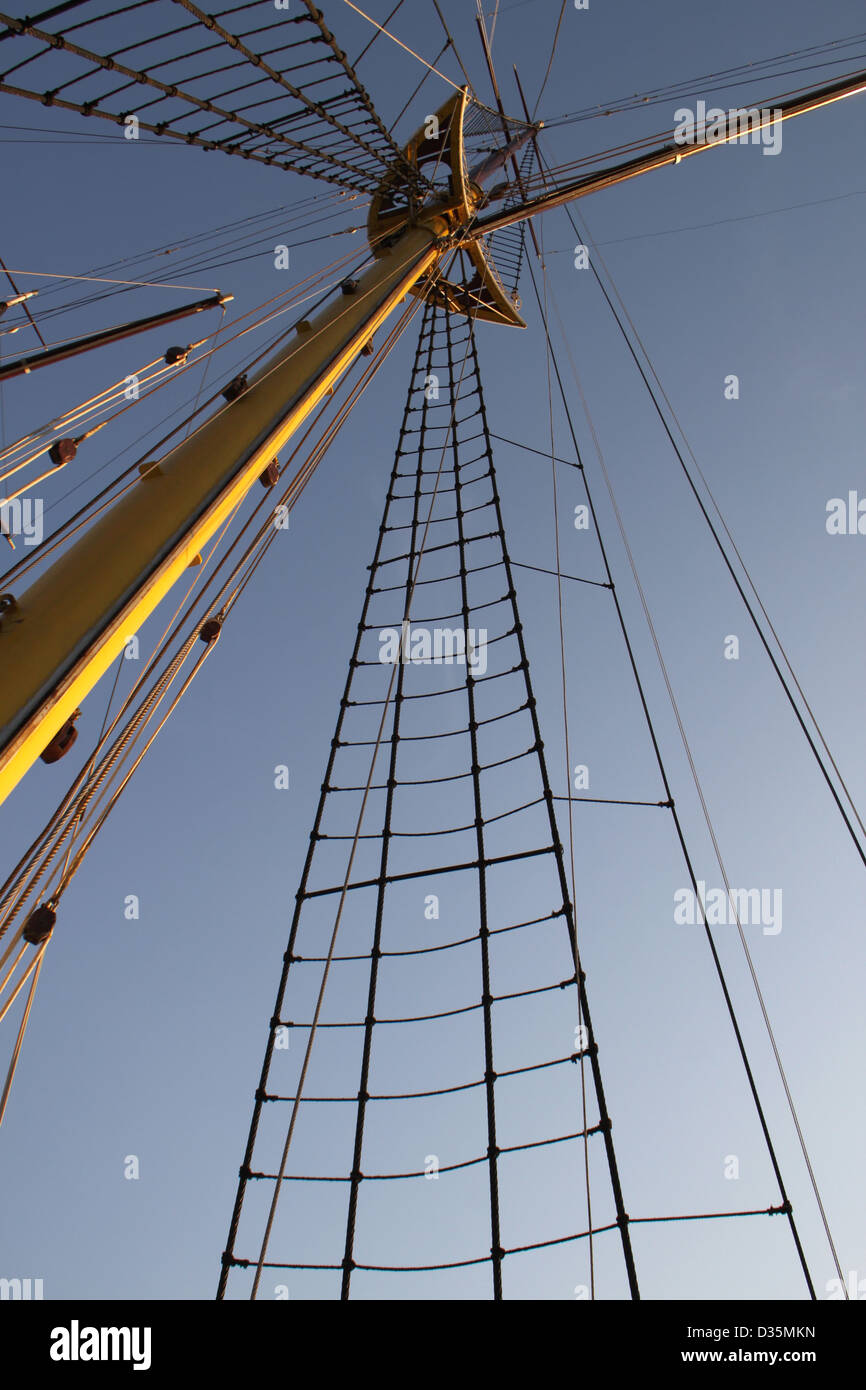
(431, 211)
(58, 637)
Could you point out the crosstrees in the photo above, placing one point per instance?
(450, 1034)
(279, 92)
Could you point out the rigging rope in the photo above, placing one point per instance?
(25, 306)
(369, 44)
(87, 514)
(423, 521)
(689, 86)
(720, 547)
(719, 860)
(550, 59)
(12, 898)
(453, 46)
(692, 766)
(566, 737)
(678, 826)
(401, 44)
(337, 920)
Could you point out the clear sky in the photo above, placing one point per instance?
(147, 1035)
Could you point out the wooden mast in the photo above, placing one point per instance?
(59, 636)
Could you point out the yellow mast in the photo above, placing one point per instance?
(59, 637)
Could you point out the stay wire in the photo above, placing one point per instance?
(561, 620)
(405, 107)
(401, 44)
(369, 45)
(734, 546)
(679, 830)
(544, 84)
(717, 852)
(293, 209)
(25, 306)
(450, 42)
(692, 86)
(696, 778)
(726, 558)
(36, 968)
(99, 740)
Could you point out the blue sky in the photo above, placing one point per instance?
(146, 1036)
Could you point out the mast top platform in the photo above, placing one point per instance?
(439, 146)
